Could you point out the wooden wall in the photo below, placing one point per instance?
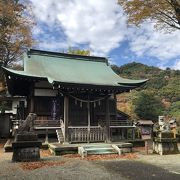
(43, 107)
(44, 95)
(78, 113)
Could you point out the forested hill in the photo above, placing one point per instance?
(164, 84)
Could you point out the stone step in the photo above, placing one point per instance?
(125, 145)
(60, 149)
(98, 149)
(101, 152)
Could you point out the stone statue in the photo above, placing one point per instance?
(163, 126)
(26, 146)
(27, 127)
(165, 142)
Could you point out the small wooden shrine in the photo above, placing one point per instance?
(73, 93)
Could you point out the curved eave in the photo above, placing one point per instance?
(96, 85)
(126, 83)
(21, 74)
(122, 86)
(136, 83)
(18, 82)
(116, 88)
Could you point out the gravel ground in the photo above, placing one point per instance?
(73, 168)
(144, 167)
(168, 162)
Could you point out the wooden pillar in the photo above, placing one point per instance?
(115, 101)
(66, 118)
(126, 131)
(89, 120)
(31, 104)
(146, 146)
(123, 133)
(31, 99)
(46, 138)
(133, 132)
(107, 121)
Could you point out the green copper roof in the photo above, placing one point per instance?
(64, 68)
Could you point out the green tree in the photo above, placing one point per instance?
(147, 106)
(78, 51)
(174, 110)
(166, 13)
(171, 91)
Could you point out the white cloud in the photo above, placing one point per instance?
(176, 65)
(147, 41)
(37, 30)
(100, 24)
(52, 45)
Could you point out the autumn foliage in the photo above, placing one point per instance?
(15, 30)
(40, 164)
(166, 13)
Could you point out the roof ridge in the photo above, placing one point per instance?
(59, 54)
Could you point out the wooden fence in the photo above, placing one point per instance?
(85, 134)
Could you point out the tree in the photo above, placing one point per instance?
(15, 31)
(78, 51)
(174, 110)
(166, 13)
(147, 106)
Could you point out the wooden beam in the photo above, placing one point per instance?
(66, 118)
(107, 121)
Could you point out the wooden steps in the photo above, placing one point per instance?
(60, 135)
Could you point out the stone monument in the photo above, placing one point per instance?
(165, 142)
(26, 146)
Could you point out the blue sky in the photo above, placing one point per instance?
(101, 27)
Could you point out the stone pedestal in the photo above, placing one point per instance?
(165, 143)
(26, 148)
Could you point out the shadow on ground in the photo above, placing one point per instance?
(138, 170)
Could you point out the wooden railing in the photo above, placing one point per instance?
(57, 123)
(121, 123)
(117, 123)
(85, 134)
(39, 123)
(47, 123)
